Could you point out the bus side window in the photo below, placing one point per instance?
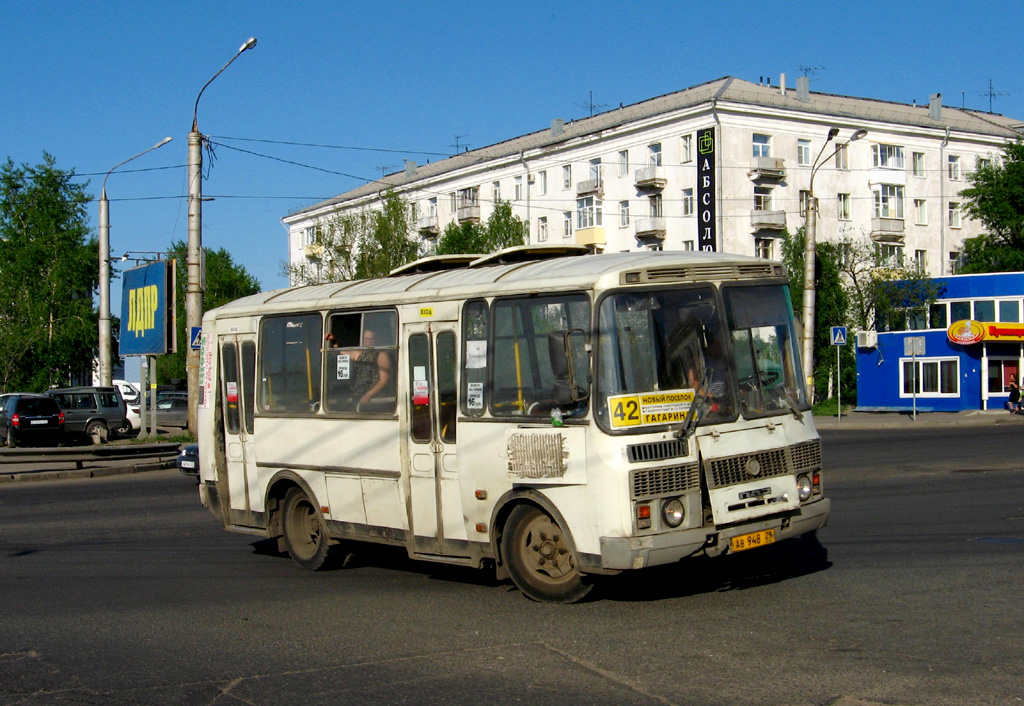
(229, 364)
(474, 358)
(248, 383)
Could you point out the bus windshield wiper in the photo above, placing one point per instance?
(692, 415)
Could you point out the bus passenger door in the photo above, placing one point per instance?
(435, 505)
(238, 378)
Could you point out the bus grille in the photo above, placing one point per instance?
(665, 481)
(807, 456)
(730, 471)
(656, 451)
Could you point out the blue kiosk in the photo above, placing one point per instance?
(959, 357)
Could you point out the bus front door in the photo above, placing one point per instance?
(238, 378)
(436, 519)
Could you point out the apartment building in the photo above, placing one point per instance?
(727, 165)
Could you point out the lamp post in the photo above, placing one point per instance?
(106, 356)
(194, 286)
(809, 255)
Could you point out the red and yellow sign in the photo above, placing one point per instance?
(967, 332)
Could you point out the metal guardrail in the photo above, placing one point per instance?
(80, 455)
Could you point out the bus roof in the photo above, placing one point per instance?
(508, 272)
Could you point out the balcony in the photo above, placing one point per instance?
(469, 213)
(427, 226)
(650, 228)
(887, 230)
(767, 220)
(590, 236)
(767, 168)
(650, 178)
(590, 187)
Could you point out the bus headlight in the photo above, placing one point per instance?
(804, 488)
(673, 512)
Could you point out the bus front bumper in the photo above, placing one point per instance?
(622, 553)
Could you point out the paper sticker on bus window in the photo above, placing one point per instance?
(476, 354)
(344, 367)
(475, 395)
(420, 392)
(419, 372)
(649, 408)
(232, 389)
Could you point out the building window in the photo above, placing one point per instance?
(954, 263)
(654, 155)
(623, 213)
(566, 177)
(921, 262)
(623, 162)
(803, 153)
(469, 197)
(954, 167)
(1009, 310)
(496, 191)
(888, 201)
(999, 372)
(517, 189)
(688, 245)
(985, 310)
(567, 224)
(920, 212)
(889, 255)
(595, 170)
(686, 149)
(655, 203)
(432, 207)
(542, 229)
(542, 183)
(688, 202)
(954, 214)
(805, 202)
(762, 198)
(588, 212)
(929, 377)
(452, 202)
(843, 157)
(887, 156)
(984, 163)
(762, 145)
(764, 248)
(959, 311)
(918, 158)
(843, 207)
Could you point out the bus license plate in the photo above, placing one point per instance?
(754, 539)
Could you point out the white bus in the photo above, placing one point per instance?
(548, 412)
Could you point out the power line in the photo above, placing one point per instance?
(330, 147)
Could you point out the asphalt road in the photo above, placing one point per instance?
(122, 590)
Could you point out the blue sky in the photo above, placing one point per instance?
(93, 83)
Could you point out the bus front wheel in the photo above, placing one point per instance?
(539, 559)
(305, 534)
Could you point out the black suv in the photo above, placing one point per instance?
(27, 418)
(93, 411)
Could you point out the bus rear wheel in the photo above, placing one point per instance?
(539, 559)
(305, 534)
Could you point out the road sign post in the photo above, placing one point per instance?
(913, 346)
(839, 340)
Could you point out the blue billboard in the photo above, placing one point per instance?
(147, 310)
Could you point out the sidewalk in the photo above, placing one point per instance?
(895, 420)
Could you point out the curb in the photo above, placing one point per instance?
(27, 476)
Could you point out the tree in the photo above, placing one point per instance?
(225, 282)
(49, 271)
(360, 245)
(995, 197)
(503, 230)
(831, 305)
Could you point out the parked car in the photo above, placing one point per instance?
(132, 420)
(30, 419)
(188, 460)
(92, 411)
(129, 391)
(172, 412)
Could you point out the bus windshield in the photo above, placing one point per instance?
(661, 350)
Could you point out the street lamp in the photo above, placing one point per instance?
(194, 287)
(106, 356)
(809, 255)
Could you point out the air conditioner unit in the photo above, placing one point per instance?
(867, 339)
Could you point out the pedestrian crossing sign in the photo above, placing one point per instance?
(838, 335)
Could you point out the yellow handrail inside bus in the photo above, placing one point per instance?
(519, 378)
(309, 377)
